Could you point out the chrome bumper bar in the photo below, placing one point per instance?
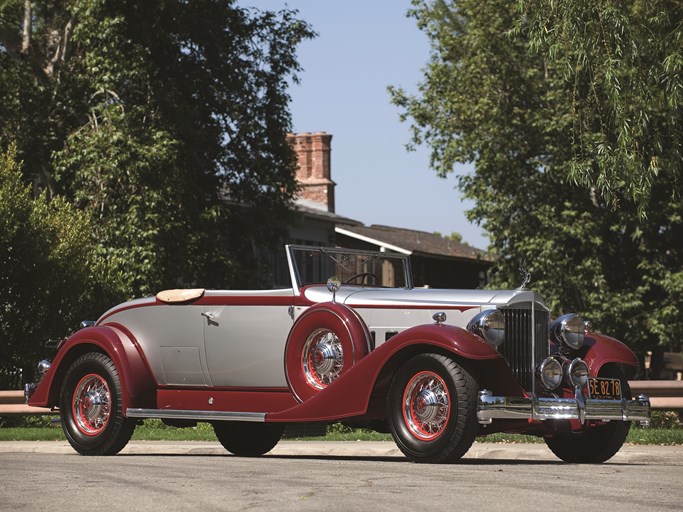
(578, 408)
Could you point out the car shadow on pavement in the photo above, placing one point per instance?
(404, 460)
(370, 458)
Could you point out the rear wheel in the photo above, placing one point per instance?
(431, 409)
(91, 407)
(594, 443)
(247, 439)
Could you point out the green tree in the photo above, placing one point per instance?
(52, 274)
(165, 120)
(454, 236)
(624, 61)
(596, 240)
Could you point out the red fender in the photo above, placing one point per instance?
(601, 349)
(341, 320)
(349, 395)
(137, 383)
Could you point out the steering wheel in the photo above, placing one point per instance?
(363, 275)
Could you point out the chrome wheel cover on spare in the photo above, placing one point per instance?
(426, 406)
(322, 358)
(91, 404)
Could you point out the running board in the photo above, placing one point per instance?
(174, 414)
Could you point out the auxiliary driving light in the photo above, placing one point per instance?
(577, 373)
(550, 373)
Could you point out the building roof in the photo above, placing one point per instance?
(313, 210)
(408, 241)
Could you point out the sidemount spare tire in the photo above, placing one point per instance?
(324, 342)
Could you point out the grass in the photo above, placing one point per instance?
(154, 430)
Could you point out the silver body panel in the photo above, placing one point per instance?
(223, 345)
(171, 338)
(245, 345)
(242, 345)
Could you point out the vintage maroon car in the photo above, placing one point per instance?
(350, 341)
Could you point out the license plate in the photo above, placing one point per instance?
(604, 389)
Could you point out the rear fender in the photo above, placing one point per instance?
(601, 350)
(349, 395)
(137, 383)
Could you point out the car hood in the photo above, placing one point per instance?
(420, 297)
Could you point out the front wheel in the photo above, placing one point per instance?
(248, 439)
(594, 443)
(91, 407)
(431, 409)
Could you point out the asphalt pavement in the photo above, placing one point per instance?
(301, 476)
(628, 454)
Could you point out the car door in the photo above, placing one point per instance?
(244, 341)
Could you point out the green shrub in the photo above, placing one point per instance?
(666, 420)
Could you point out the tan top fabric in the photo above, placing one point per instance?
(184, 295)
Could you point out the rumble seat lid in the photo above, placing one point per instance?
(180, 295)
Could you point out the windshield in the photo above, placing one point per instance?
(314, 265)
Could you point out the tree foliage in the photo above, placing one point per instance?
(52, 274)
(577, 158)
(624, 61)
(164, 120)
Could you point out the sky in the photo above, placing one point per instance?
(362, 47)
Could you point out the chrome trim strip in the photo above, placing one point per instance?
(579, 408)
(174, 414)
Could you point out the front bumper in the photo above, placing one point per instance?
(578, 408)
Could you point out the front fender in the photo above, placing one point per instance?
(601, 349)
(349, 395)
(137, 384)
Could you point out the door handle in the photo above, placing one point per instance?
(209, 318)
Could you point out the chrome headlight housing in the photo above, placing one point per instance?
(550, 373)
(569, 330)
(490, 325)
(577, 373)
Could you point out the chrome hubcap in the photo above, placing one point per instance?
(322, 358)
(91, 404)
(426, 406)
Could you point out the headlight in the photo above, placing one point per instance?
(569, 330)
(577, 373)
(550, 373)
(489, 325)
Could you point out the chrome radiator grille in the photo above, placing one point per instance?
(517, 348)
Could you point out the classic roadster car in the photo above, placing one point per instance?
(351, 341)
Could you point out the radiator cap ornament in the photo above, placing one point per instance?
(526, 275)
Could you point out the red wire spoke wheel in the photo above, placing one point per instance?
(431, 408)
(324, 342)
(426, 406)
(91, 404)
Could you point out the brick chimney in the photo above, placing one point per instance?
(316, 188)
